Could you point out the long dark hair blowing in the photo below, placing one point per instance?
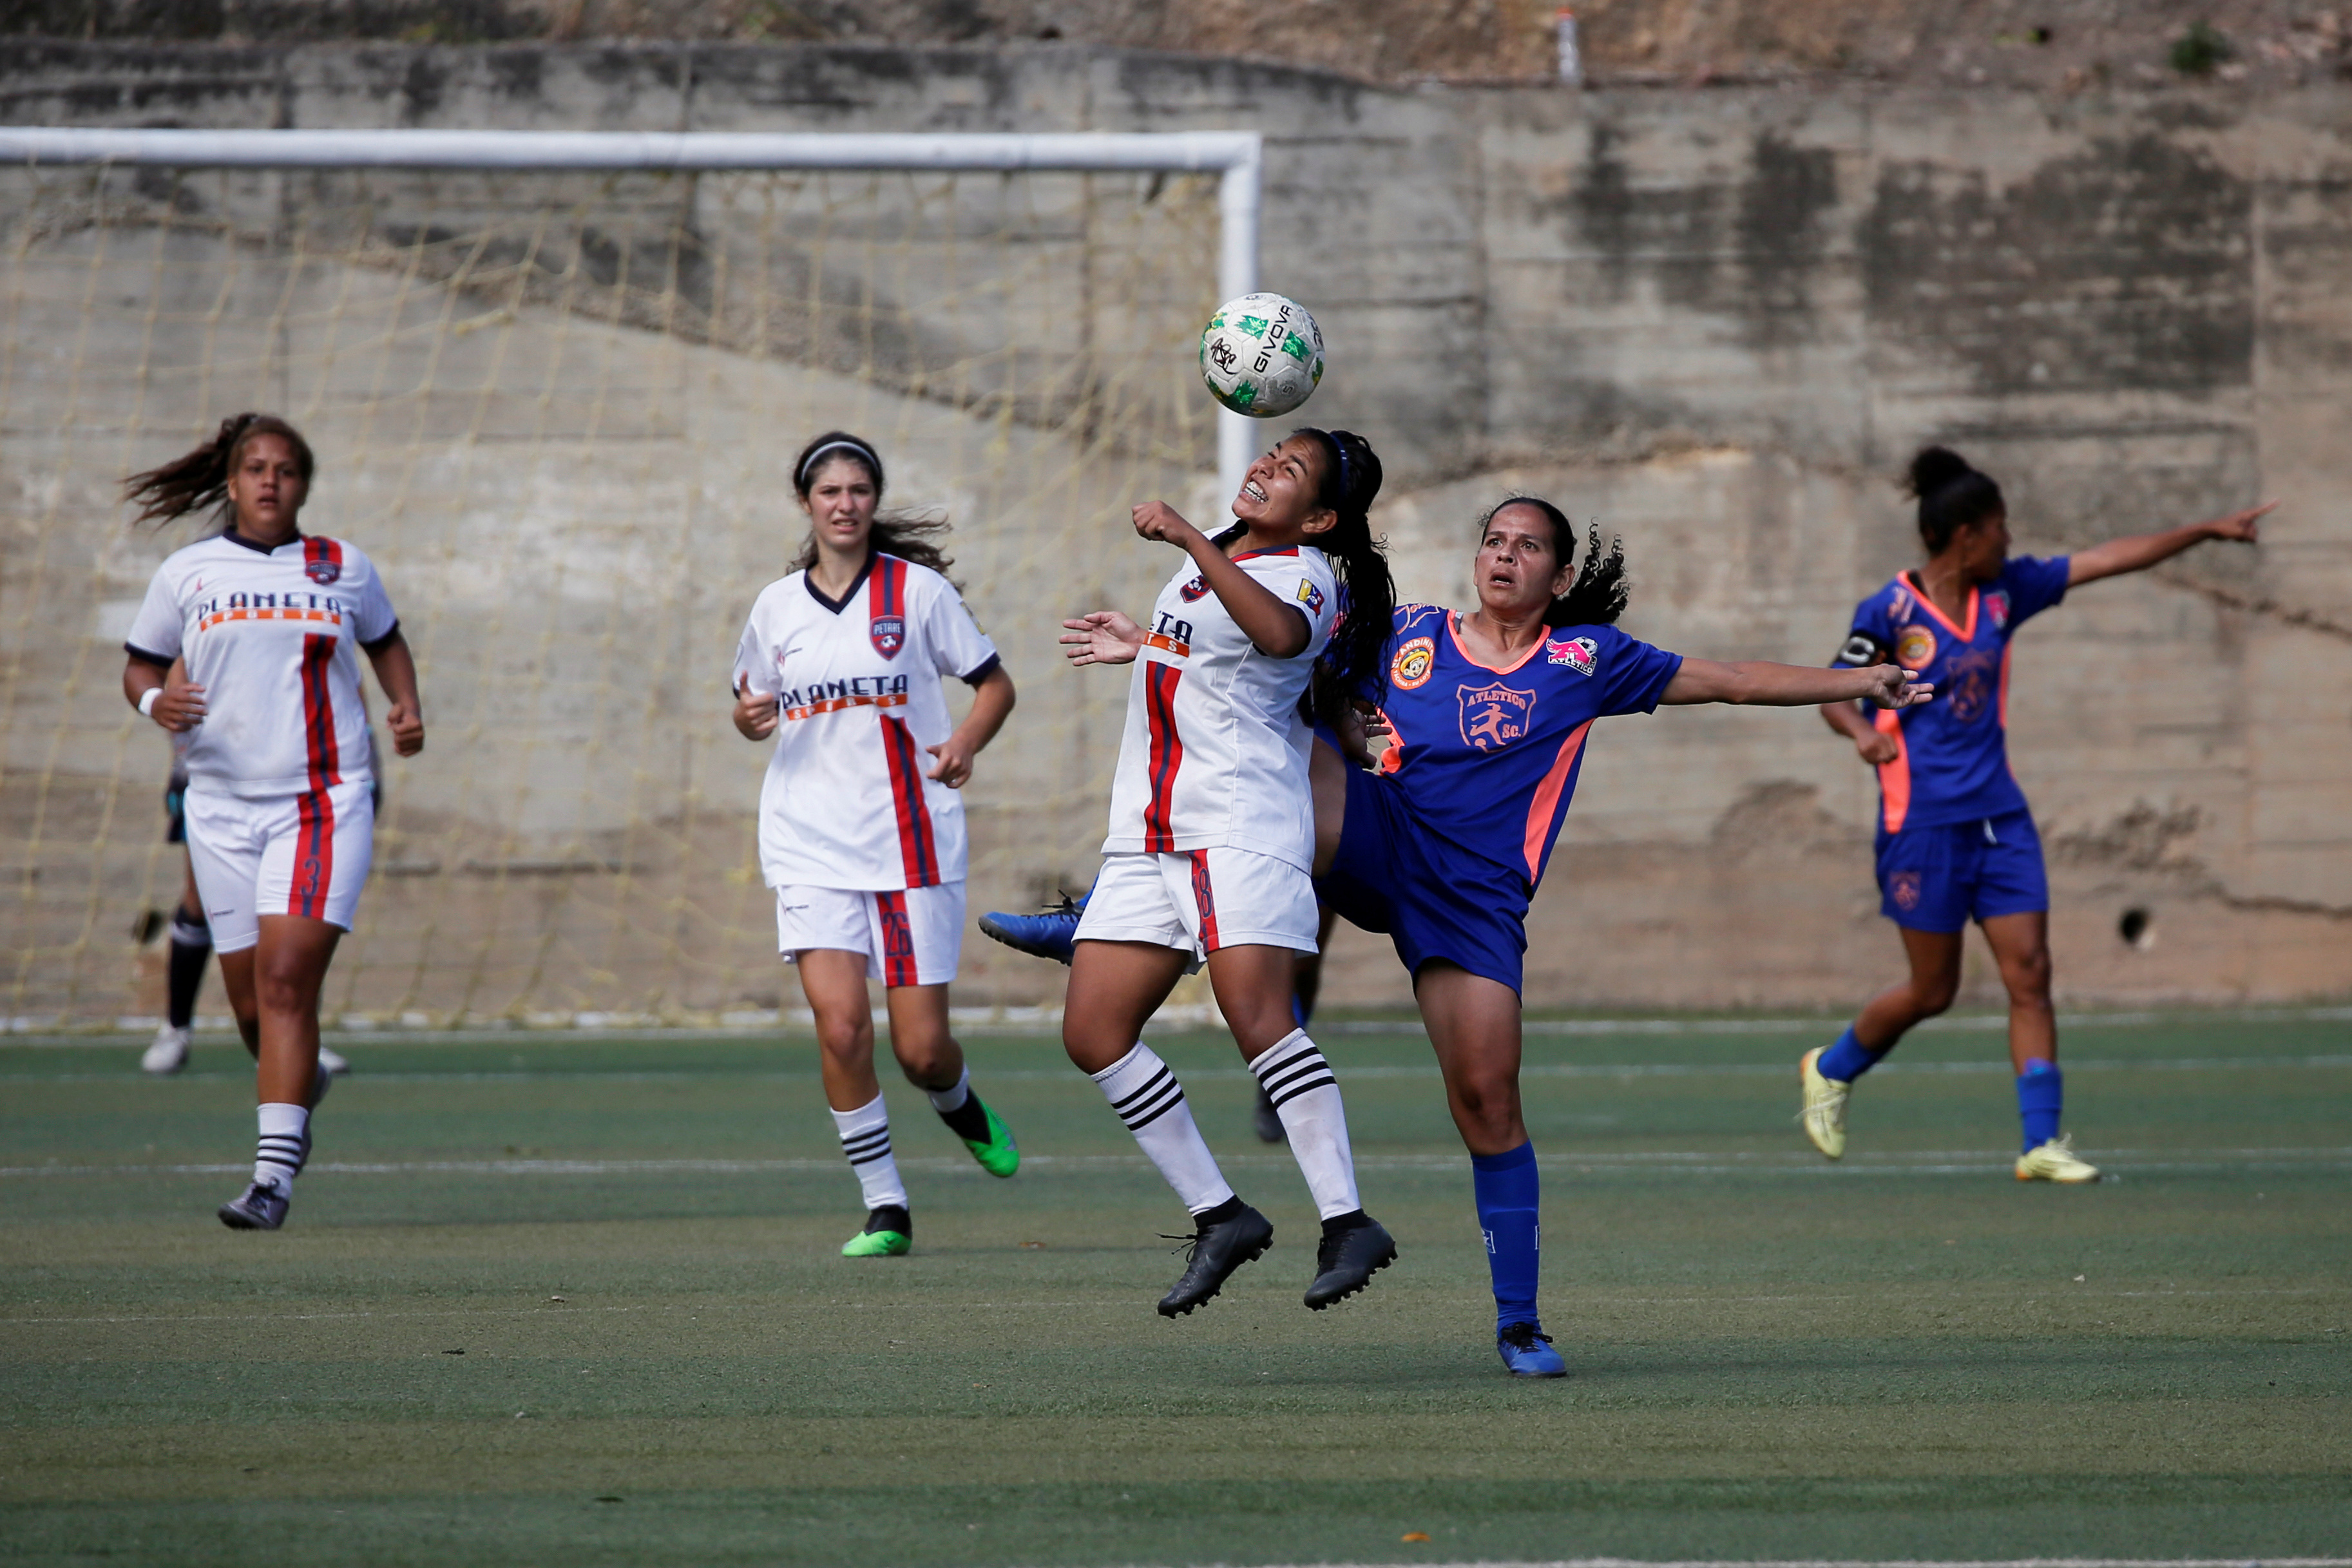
(200, 478)
(1350, 661)
(903, 534)
(1596, 597)
(1952, 494)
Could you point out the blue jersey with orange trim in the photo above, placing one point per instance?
(1952, 761)
(1488, 757)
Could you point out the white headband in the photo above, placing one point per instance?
(808, 464)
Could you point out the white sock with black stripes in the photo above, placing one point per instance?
(865, 1139)
(285, 1144)
(1152, 1102)
(1307, 1097)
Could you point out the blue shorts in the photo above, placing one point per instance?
(1432, 900)
(1939, 879)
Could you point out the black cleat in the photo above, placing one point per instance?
(1354, 1249)
(1217, 1249)
(1267, 1120)
(259, 1207)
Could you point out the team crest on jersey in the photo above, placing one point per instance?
(1190, 592)
(1577, 653)
(1312, 597)
(888, 635)
(1408, 670)
(322, 570)
(1494, 716)
(1914, 647)
(1996, 605)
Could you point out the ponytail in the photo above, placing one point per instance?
(1952, 495)
(200, 478)
(1596, 596)
(1352, 481)
(902, 534)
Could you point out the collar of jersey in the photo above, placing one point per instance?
(1453, 630)
(233, 537)
(838, 605)
(1919, 592)
(1269, 550)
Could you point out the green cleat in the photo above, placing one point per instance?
(889, 1233)
(997, 1154)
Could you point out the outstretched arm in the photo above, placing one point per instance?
(1101, 636)
(1762, 684)
(2138, 551)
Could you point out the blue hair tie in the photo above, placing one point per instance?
(1340, 453)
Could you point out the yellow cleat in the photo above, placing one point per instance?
(1824, 1112)
(2055, 1161)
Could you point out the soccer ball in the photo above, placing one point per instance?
(1262, 355)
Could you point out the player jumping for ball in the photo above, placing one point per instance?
(861, 823)
(1441, 846)
(1212, 834)
(1955, 842)
(267, 622)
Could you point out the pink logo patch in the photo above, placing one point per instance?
(1996, 607)
(1577, 653)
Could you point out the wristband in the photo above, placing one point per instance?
(147, 702)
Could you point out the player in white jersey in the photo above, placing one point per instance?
(248, 643)
(1212, 832)
(861, 826)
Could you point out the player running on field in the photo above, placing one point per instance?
(1212, 834)
(861, 826)
(248, 643)
(1955, 842)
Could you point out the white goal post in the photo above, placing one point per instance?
(1236, 157)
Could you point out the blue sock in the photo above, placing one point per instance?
(2041, 1092)
(1848, 1059)
(1511, 1196)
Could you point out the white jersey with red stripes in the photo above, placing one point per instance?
(273, 636)
(1215, 749)
(847, 802)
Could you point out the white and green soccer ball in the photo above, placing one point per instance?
(1262, 355)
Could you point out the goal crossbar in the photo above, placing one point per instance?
(1236, 157)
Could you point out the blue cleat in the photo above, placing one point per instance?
(1526, 1351)
(1052, 934)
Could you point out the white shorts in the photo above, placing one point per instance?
(1198, 900)
(289, 854)
(910, 938)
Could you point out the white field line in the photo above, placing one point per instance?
(47, 1032)
(1681, 1163)
(1413, 1070)
(1916, 1562)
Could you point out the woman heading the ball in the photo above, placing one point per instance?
(1955, 840)
(1442, 843)
(248, 642)
(861, 821)
(1212, 835)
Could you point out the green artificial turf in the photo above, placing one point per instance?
(566, 1300)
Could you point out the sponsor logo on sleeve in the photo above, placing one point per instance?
(1312, 597)
(1577, 653)
(1408, 670)
(1996, 605)
(1914, 647)
(1494, 716)
(888, 635)
(1900, 605)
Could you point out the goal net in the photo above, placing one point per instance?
(559, 409)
